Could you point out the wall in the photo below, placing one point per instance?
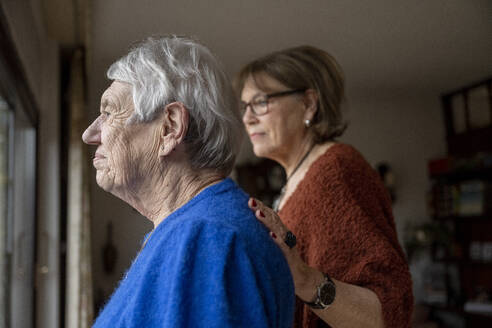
(406, 131)
(39, 56)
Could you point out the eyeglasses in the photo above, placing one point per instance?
(259, 103)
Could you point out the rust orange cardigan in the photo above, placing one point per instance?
(341, 214)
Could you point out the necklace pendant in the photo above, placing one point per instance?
(278, 199)
(276, 204)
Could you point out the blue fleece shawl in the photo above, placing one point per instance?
(208, 264)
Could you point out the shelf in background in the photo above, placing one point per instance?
(439, 307)
(461, 183)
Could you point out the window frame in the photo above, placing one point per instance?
(15, 89)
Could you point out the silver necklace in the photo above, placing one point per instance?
(278, 200)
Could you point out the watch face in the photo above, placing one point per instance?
(327, 293)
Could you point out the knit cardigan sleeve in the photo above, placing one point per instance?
(342, 216)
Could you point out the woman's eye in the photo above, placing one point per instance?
(261, 102)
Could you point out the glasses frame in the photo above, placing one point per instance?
(244, 108)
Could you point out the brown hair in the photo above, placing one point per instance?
(305, 67)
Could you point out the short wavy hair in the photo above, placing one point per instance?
(166, 69)
(305, 67)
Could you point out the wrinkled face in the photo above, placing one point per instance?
(275, 133)
(124, 151)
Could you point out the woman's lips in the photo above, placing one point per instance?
(256, 135)
(98, 156)
(98, 161)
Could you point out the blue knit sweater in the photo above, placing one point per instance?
(208, 264)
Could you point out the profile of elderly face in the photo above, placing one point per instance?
(156, 130)
(124, 151)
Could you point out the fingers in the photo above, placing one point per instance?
(278, 232)
(269, 218)
(252, 203)
(262, 213)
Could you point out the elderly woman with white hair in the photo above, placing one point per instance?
(167, 137)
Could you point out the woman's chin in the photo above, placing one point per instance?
(104, 181)
(261, 150)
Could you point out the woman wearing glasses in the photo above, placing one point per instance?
(348, 267)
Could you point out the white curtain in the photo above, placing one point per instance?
(79, 306)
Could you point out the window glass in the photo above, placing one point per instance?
(22, 224)
(5, 118)
(17, 215)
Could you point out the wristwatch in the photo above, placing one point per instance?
(325, 294)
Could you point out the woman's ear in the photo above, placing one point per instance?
(175, 124)
(310, 100)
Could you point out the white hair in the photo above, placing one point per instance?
(162, 70)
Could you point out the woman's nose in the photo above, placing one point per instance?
(92, 135)
(249, 117)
